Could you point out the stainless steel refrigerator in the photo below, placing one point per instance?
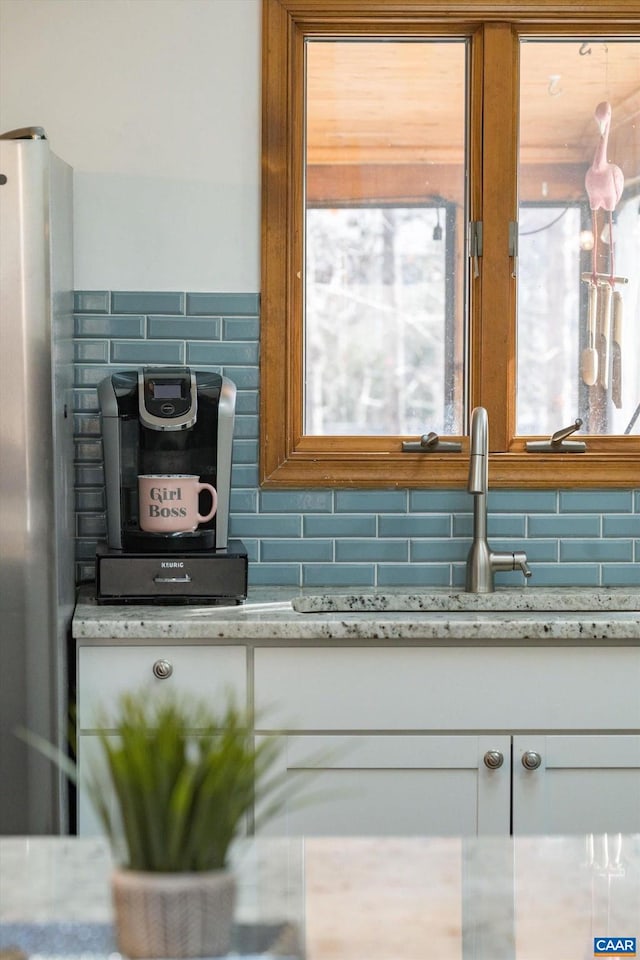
(36, 475)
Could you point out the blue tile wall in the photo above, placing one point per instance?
(316, 538)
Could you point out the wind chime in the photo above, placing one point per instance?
(602, 356)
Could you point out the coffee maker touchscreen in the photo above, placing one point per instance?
(167, 391)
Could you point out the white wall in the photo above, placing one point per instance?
(156, 105)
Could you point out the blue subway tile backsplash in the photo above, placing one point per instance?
(107, 326)
(334, 526)
(300, 501)
(91, 351)
(567, 575)
(246, 427)
(147, 302)
(284, 551)
(416, 525)
(415, 575)
(604, 551)
(432, 550)
(371, 501)
(238, 354)
(338, 575)
(242, 328)
(185, 328)
(147, 352)
(223, 304)
(622, 574)
(374, 549)
(621, 526)
(564, 525)
(596, 501)
(324, 537)
(91, 301)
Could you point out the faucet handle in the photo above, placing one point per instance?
(520, 563)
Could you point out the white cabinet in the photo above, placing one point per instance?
(584, 784)
(416, 740)
(411, 740)
(106, 671)
(398, 785)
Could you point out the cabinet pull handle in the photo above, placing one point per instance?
(531, 760)
(185, 579)
(493, 759)
(162, 669)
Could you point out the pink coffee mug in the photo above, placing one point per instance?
(168, 502)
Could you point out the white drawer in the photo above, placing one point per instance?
(438, 688)
(105, 672)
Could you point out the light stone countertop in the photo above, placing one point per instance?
(347, 898)
(55, 897)
(534, 616)
(50, 878)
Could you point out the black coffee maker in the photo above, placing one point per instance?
(167, 423)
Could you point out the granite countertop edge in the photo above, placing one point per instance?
(575, 616)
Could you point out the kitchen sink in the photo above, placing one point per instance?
(530, 599)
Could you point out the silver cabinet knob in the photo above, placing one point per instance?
(493, 759)
(531, 760)
(162, 669)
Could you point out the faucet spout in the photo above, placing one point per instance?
(479, 452)
(482, 561)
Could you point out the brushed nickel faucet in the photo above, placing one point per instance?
(482, 561)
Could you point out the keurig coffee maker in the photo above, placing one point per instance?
(167, 442)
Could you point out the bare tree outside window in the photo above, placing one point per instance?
(377, 321)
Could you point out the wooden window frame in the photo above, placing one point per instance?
(289, 458)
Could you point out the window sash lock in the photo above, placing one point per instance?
(474, 240)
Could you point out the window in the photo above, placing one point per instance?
(428, 241)
(381, 350)
(576, 353)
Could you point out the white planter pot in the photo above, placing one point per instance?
(173, 914)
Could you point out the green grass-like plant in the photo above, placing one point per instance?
(184, 779)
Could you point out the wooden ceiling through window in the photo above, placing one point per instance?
(359, 149)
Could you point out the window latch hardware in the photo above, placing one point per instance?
(475, 244)
(558, 443)
(513, 245)
(431, 443)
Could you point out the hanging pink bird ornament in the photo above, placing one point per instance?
(602, 357)
(604, 182)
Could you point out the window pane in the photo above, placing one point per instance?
(548, 354)
(578, 320)
(384, 244)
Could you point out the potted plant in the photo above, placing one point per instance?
(172, 792)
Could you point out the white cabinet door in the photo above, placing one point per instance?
(584, 784)
(393, 785)
(89, 760)
(106, 671)
(374, 699)
(441, 689)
